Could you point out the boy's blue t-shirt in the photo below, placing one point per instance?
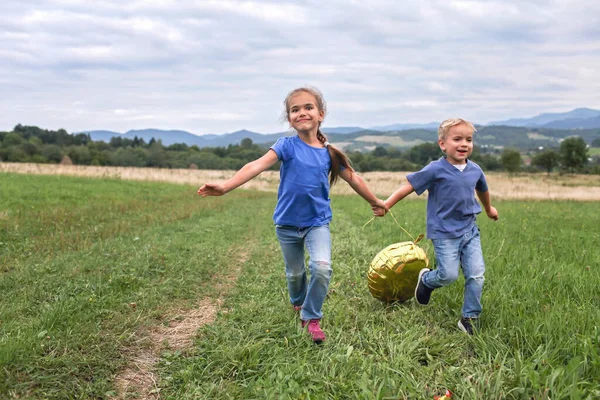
(303, 196)
(451, 204)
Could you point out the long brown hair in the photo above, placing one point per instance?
(338, 158)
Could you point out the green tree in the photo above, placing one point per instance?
(246, 143)
(128, 157)
(116, 141)
(30, 148)
(380, 151)
(12, 139)
(177, 147)
(511, 160)
(547, 159)
(206, 160)
(52, 153)
(13, 154)
(488, 162)
(99, 146)
(573, 153)
(157, 157)
(36, 141)
(80, 155)
(424, 153)
(81, 139)
(397, 164)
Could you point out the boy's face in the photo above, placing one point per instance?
(458, 144)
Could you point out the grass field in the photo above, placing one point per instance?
(522, 186)
(89, 268)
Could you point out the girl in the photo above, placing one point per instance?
(303, 211)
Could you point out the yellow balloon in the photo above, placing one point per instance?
(394, 271)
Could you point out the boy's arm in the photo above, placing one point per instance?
(398, 195)
(360, 187)
(484, 198)
(247, 172)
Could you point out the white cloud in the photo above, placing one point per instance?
(219, 65)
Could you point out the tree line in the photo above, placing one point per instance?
(36, 145)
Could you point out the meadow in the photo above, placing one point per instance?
(96, 274)
(521, 186)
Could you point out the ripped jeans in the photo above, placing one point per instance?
(464, 252)
(317, 240)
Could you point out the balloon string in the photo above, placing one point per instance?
(400, 226)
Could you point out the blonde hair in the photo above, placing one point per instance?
(449, 123)
(338, 158)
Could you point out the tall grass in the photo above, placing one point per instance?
(539, 338)
(522, 186)
(86, 264)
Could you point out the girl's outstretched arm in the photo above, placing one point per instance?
(360, 187)
(246, 173)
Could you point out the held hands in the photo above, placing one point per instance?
(492, 213)
(379, 208)
(211, 189)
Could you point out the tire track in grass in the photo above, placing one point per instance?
(176, 333)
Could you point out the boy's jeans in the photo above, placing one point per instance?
(318, 243)
(466, 252)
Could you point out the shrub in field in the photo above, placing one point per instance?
(573, 153)
(511, 160)
(547, 160)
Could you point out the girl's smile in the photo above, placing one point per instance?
(304, 115)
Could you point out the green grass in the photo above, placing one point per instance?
(75, 253)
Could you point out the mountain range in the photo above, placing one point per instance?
(579, 118)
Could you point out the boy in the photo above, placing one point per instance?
(451, 213)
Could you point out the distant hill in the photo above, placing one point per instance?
(577, 118)
(575, 123)
(343, 129)
(542, 130)
(402, 127)
(169, 137)
(101, 136)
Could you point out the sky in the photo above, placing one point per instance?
(218, 66)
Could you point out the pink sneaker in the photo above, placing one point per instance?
(318, 336)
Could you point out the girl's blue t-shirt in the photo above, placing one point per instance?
(303, 196)
(451, 204)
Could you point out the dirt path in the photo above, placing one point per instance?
(502, 186)
(138, 380)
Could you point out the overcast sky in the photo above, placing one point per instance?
(217, 66)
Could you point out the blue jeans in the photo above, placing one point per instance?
(317, 240)
(466, 252)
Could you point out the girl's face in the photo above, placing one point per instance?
(458, 144)
(303, 113)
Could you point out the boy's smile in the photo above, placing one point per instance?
(458, 144)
